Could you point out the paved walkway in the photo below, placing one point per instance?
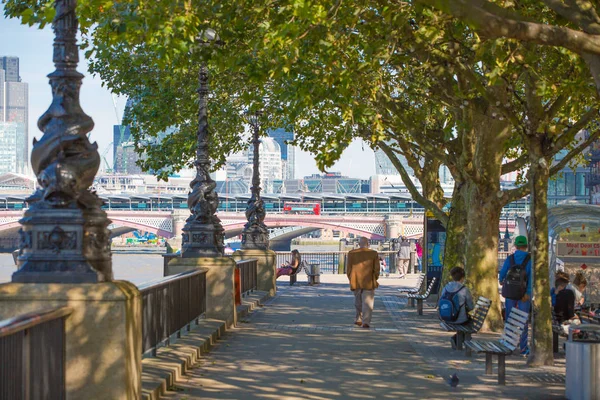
(302, 345)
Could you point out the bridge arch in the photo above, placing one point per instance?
(136, 226)
(10, 229)
(235, 228)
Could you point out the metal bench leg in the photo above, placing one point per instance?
(501, 369)
(460, 338)
(420, 306)
(488, 363)
(555, 342)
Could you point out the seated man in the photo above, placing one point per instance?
(564, 309)
(559, 274)
(456, 301)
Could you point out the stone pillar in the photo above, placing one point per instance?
(393, 226)
(179, 216)
(220, 284)
(267, 267)
(103, 334)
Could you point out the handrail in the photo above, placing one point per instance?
(169, 305)
(248, 276)
(156, 283)
(25, 321)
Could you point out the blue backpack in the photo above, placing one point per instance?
(447, 307)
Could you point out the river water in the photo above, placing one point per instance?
(136, 268)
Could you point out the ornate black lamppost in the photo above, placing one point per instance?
(64, 235)
(255, 234)
(203, 234)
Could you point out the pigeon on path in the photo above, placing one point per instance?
(453, 380)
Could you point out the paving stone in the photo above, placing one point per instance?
(303, 345)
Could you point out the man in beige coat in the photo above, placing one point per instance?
(363, 271)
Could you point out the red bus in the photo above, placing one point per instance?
(302, 208)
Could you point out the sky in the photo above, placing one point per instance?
(34, 49)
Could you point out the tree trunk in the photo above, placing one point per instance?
(482, 250)
(541, 349)
(483, 201)
(456, 228)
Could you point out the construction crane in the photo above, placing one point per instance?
(122, 134)
(107, 168)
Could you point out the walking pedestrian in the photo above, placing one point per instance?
(363, 272)
(515, 277)
(403, 256)
(383, 268)
(419, 247)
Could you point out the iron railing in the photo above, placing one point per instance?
(32, 353)
(170, 305)
(248, 270)
(331, 261)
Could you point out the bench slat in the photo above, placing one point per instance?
(514, 341)
(519, 315)
(417, 286)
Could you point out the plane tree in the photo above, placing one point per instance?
(411, 81)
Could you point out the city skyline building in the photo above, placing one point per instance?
(14, 108)
(10, 65)
(125, 157)
(288, 152)
(384, 166)
(8, 147)
(121, 136)
(270, 165)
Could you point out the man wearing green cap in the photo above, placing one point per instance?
(520, 257)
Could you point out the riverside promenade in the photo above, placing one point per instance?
(302, 344)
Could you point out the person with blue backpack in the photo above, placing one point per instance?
(456, 302)
(515, 277)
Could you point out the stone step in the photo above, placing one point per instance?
(172, 362)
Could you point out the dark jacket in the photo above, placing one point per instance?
(564, 309)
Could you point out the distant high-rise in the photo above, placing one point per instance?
(121, 136)
(270, 165)
(14, 109)
(10, 65)
(288, 152)
(8, 147)
(384, 166)
(125, 157)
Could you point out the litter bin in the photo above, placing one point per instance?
(583, 362)
(412, 263)
(315, 270)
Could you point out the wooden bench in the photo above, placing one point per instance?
(415, 289)
(586, 318)
(557, 330)
(303, 266)
(420, 297)
(513, 327)
(478, 315)
(293, 276)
